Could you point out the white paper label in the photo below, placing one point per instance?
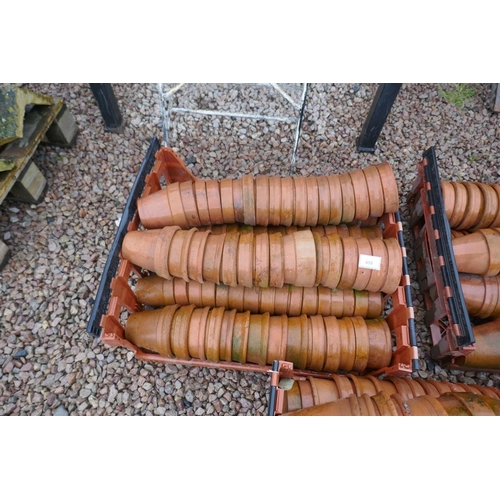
(369, 262)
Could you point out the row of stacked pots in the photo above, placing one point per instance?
(264, 200)
(449, 404)
(316, 391)
(302, 258)
(290, 300)
(319, 343)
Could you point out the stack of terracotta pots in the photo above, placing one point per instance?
(471, 205)
(293, 283)
(263, 200)
(320, 343)
(290, 300)
(473, 211)
(302, 258)
(316, 391)
(383, 404)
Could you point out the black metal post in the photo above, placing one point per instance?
(108, 105)
(379, 111)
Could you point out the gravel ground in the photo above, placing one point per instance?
(49, 365)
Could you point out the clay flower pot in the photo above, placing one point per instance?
(478, 253)
(333, 345)
(248, 191)
(226, 337)
(214, 202)
(318, 341)
(313, 201)
(236, 298)
(301, 202)
(296, 350)
(229, 265)
(266, 302)
(176, 207)
(227, 201)
(348, 344)
(246, 259)
(481, 295)
(278, 338)
(310, 301)
(394, 270)
(348, 199)
(363, 274)
(276, 260)
(287, 201)
(332, 270)
(274, 200)
(213, 334)
(189, 204)
(362, 344)
(150, 330)
(490, 207)
(496, 222)
(473, 208)
(380, 352)
(251, 299)
(350, 263)
(154, 210)
(258, 339)
(336, 201)
(200, 192)
(361, 195)
(448, 198)
(460, 204)
(240, 337)
(262, 203)
(261, 271)
(389, 186)
(238, 200)
(486, 356)
(179, 332)
(324, 201)
(212, 259)
(375, 191)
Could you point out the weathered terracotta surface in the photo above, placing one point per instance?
(314, 343)
(486, 355)
(478, 252)
(449, 404)
(357, 195)
(481, 295)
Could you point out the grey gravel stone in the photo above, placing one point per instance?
(61, 412)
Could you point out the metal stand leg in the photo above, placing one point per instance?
(495, 98)
(298, 130)
(379, 111)
(108, 105)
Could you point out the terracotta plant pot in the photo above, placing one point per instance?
(348, 199)
(478, 253)
(227, 201)
(189, 204)
(389, 186)
(473, 208)
(301, 202)
(486, 356)
(313, 201)
(460, 204)
(481, 295)
(491, 206)
(375, 191)
(361, 195)
(448, 198)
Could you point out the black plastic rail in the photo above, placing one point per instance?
(456, 302)
(104, 290)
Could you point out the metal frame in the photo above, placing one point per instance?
(108, 106)
(167, 108)
(377, 115)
